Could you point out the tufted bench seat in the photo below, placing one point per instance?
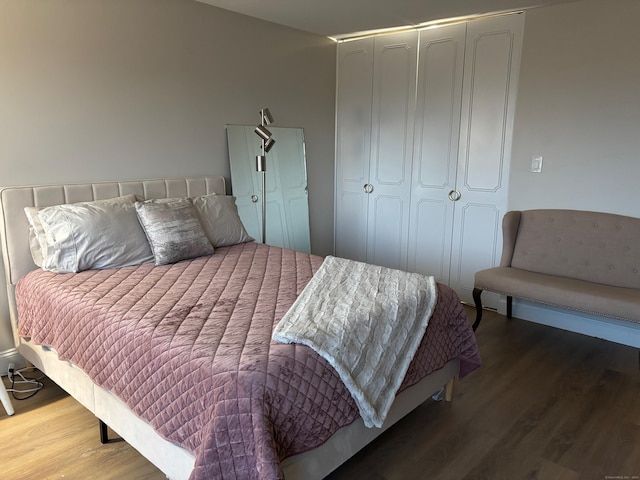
(578, 260)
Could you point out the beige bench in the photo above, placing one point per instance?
(583, 261)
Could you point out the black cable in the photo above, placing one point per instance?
(37, 385)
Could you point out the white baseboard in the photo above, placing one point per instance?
(619, 331)
(10, 356)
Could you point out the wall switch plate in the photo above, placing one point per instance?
(536, 164)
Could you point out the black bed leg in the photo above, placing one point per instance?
(476, 298)
(104, 434)
(509, 306)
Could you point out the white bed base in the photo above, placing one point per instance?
(175, 462)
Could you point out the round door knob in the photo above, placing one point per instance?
(454, 195)
(368, 188)
(254, 198)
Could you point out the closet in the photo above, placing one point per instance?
(423, 143)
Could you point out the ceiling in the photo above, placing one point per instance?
(344, 18)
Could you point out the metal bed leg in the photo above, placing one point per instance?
(104, 433)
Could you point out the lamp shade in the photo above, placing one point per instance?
(262, 131)
(267, 119)
(268, 144)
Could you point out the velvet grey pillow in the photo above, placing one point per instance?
(173, 230)
(218, 215)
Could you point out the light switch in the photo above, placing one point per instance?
(536, 164)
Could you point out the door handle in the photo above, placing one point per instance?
(368, 188)
(454, 195)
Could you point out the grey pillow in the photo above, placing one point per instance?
(218, 215)
(173, 230)
(81, 236)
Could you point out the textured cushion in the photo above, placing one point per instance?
(89, 235)
(173, 230)
(218, 215)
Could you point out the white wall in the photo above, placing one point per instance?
(579, 106)
(96, 90)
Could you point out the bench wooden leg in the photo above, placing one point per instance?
(509, 306)
(476, 298)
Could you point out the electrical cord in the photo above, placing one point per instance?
(33, 385)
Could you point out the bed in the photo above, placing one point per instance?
(156, 379)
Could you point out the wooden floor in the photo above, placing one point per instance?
(547, 404)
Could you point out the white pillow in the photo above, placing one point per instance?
(173, 230)
(218, 215)
(91, 235)
(37, 237)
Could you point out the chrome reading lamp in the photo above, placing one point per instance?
(261, 161)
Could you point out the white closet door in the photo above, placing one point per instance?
(353, 146)
(435, 154)
(492, 59)
(394, 83)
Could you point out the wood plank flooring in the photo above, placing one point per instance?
(546, 404)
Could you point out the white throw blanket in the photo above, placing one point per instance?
(368, 322)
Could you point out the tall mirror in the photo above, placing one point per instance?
(287, 206)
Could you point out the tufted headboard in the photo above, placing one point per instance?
(14, 228)
(592, 246)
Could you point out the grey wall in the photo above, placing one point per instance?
(579, 106)
(96, 90)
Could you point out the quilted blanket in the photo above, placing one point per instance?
(188, 348)
(367, 321)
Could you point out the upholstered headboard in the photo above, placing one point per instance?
(14, 228)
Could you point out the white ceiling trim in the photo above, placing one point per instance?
(424, 26)
(341, 19)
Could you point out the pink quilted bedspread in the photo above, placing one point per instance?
(188, 347)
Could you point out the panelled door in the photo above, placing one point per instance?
(376, 102)
(492, 64)
(435, 153)
(467, 80)
(353, 147)
(394, 84)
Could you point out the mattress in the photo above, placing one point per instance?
(188, 348)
